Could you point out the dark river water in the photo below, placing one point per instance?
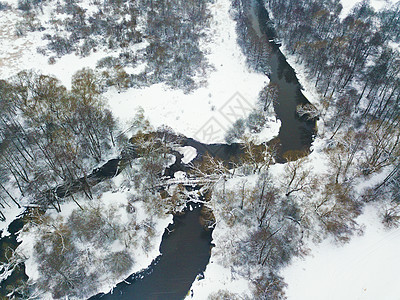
(185, 252)
(295, 133)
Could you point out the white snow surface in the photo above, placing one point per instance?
(217, 278)
(116, 199)
(366, 268)
(180, 175)
(189, 153)
(376, 4)
(205, 114)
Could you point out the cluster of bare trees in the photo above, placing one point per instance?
(173, 53)
(342, 54)
(279, 211)
(266, 228)
(50, 135)
(149, 174)
(74, 253)
(112, 25)
(253, 42)
(356, 68)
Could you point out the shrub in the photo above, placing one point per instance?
(4, 6)
(120, 263)
(236, 131)
(224, 295)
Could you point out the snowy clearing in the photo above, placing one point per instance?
(204, 114)
(376, 4)
(365, 268)
(189, 153)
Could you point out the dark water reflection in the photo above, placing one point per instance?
(295, 133)
(186, 248)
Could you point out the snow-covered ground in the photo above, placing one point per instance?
(189, 153)
(206, 113)
(117, 201)
(365, 268)
(361, 269)
(376, 4)
(216, 278)
(19, 53)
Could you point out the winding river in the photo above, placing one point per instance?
(186, 245)
(295, 133)
(186, 252)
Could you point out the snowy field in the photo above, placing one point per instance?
(230, 85)
(365, 268)
(376, 4)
